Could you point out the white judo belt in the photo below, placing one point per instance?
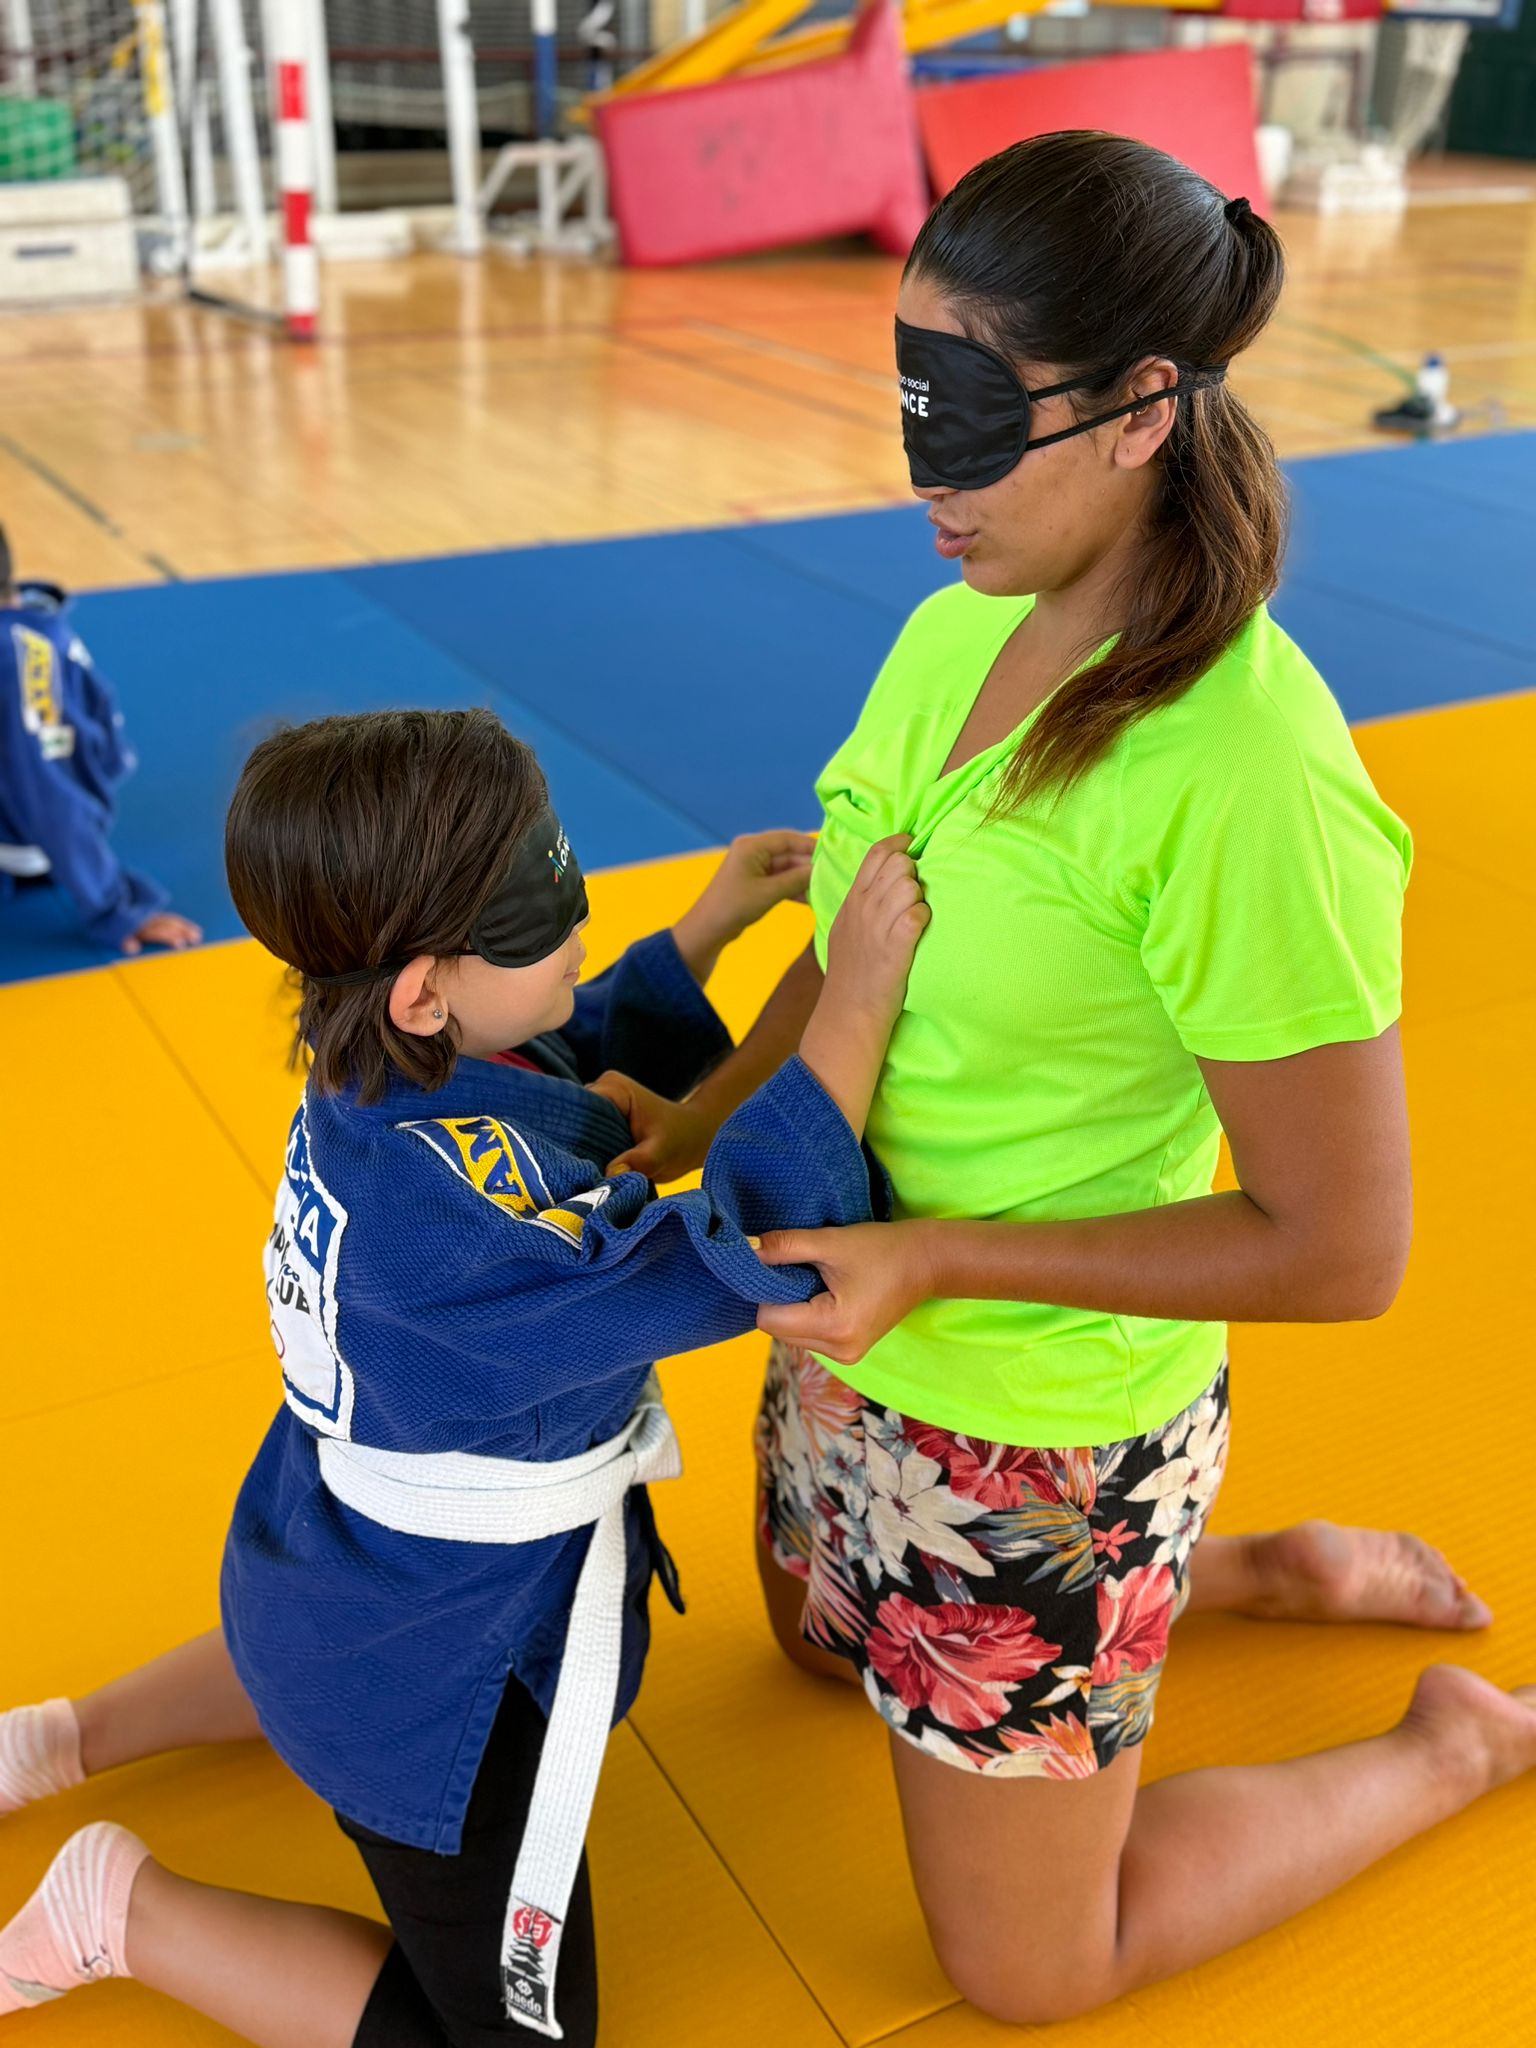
(467, 1499)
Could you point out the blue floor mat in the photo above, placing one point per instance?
(204, 670)
(1378, 530)
(716, 676)
(885, 558)
(1380, 660)
(682, 687)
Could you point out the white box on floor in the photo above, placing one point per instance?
(66, 238)
(1358, 178)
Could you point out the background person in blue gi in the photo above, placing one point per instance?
(63, 752)
(440, 1560)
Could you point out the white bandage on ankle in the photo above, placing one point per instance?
(39, 1753)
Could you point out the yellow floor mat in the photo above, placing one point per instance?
(1462, 777)
(124, 1499)
(131, 1224)
(747, 1846)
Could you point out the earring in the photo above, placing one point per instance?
(438, 1014)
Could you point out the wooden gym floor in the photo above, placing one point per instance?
(746, 1847)
(456, 405)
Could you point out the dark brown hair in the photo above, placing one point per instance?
(355, 841)
(1088, 253)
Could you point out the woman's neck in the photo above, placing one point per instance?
(1077, 619)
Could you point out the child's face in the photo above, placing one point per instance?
(498, 1007)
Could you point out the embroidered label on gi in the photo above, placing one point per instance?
(496, 1161)
(301, 1260)
(530, 1952)
(42, 713)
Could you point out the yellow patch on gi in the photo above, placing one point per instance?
(41, 709)
(497, 1163)
(39, 698)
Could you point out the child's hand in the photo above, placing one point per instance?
(759, 870)
(875, 934)
(669, 1138)
(869, 956)
(165, 928)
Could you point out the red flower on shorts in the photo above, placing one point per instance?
(1134, 1616)
(994, 1475)
(1111, 1543)
(960, 1663)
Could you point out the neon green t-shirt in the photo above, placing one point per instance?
(1225, 882)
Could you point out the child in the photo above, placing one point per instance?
(434, 1591)
(62, 754)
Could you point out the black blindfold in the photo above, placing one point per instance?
(539, 901)
(965, 412)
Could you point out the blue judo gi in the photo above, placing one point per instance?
(63, 753)
(455, 1271)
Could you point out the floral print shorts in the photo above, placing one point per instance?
(1007, 1609)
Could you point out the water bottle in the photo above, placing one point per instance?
(1434, 382)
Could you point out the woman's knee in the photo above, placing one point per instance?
(1004, 1977)
(1019, 1880)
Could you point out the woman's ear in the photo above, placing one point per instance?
(1144, 431)
(414, 1004)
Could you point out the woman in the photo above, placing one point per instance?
(1165, 898)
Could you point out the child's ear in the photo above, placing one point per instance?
(414, 1004)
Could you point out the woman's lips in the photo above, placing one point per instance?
(951, 545)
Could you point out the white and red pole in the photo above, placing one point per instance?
(295, 170)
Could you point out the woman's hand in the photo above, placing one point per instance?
(670, 1138)
(875, 1274)
(760, 870)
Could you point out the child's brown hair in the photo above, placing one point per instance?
(356, 841)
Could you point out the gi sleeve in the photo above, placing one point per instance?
(649, 1018)
(44, 735)
(96, 707)
(584, 1278)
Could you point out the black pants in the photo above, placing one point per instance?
(440, 1986)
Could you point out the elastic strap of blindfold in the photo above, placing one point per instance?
(1190, 380)
(359, 975)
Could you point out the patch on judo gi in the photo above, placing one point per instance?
(530, 1950)
(497, 1162)
(301, 1259)
(42, 712)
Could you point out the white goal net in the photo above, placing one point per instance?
(169, 117)
(83, 93)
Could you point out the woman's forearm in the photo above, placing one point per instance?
(1216, 1259)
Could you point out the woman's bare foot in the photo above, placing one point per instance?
(1321, 1572)
(1486, 1736)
